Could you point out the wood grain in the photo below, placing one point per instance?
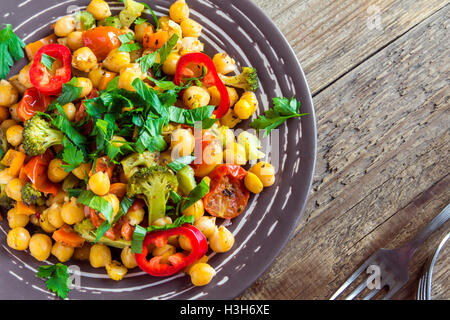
(382, 171)
(332, 37)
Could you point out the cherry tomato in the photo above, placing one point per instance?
(227, 195)
(32, 101)
(102, 40)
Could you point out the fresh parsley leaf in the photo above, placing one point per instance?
(88, 198)
(127, 45)
(190, 116)
(71, 155)
(175, 197)
(181, 162)
(164, 52)
(140, 21)
(58, 278)
(196, 194)
(11, 49)
(282, 110)
(147, 61)
(70, 92)
(47, 61)
(62, 123)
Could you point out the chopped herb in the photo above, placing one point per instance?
(177, 223)
(47, 61)
(196, 194)
(88, 198)
(58, 278)
(138, 239)
(181, 162)
(11, 49)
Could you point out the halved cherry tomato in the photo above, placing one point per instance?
(36, 172)
(227, 195)
(211, 156)
(47, 81)
(32, 101)
(102, 40)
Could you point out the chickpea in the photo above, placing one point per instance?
(18, 238)
(64, 26)
(82, 253)
(8, 94)
(16, 219)
(113, 201)
(196, 97)
(184, 243)
(14, 135)
(162, 221)
(14, 189)
(99, 9)
(75, 40)
(128, 74)
(201, 274)
(82, 171)
(197, 210)
(86, 86)
(62, 41)
(179, 11)
(227, 137)
(4, 113)
(54, 215)
(244, 109)
(203, 259)
(265, 172)
(230, 119)
(135, 217)
(44, 223)
(99, 256)
(190, 45)
(252, 183)
(191, 28)
(170, 65)
(59, 198)
(99, 183)
(84, 59)
(24, 76)
(96, 75)
(182, 143)
(34, 220)
(206, 225)
(70, 110)
(13, 112)
(222, 240)
(116, 270)
(224, 63)
(61, 252)
(235, 154)
(251, 98)
(116, 141)
(7, 124)
(72, 212)
(40, 246)
(55, 171)
(165, 251)
(128, 258)
(116, 60)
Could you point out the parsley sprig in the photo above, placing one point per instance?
(11, 49)
(58, 278)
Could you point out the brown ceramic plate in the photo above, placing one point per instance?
(240, 28)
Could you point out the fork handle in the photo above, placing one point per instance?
(423, 235)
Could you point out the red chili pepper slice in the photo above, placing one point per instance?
(186, 69)
(33, 101)
(42, 78)
(178, 261)
(228, 195)
(36, 171)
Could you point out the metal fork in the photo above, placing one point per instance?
(424, 289)
(391, 265)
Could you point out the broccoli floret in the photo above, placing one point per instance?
(112, 21)
(153, 185)
(247, 80)
(38, 136)
(134, 161)
(31, 196)
(6, 202)
(85, 20)
(87, 230)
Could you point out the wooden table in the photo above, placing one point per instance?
(379, 73)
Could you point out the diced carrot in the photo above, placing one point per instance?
(68, 237)
(106, 78)
(119, 189)
(155, 40)
(33, 47)
(14, 160)
(23, 208)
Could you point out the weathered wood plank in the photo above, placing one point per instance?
(332, 37)
(382, 170)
